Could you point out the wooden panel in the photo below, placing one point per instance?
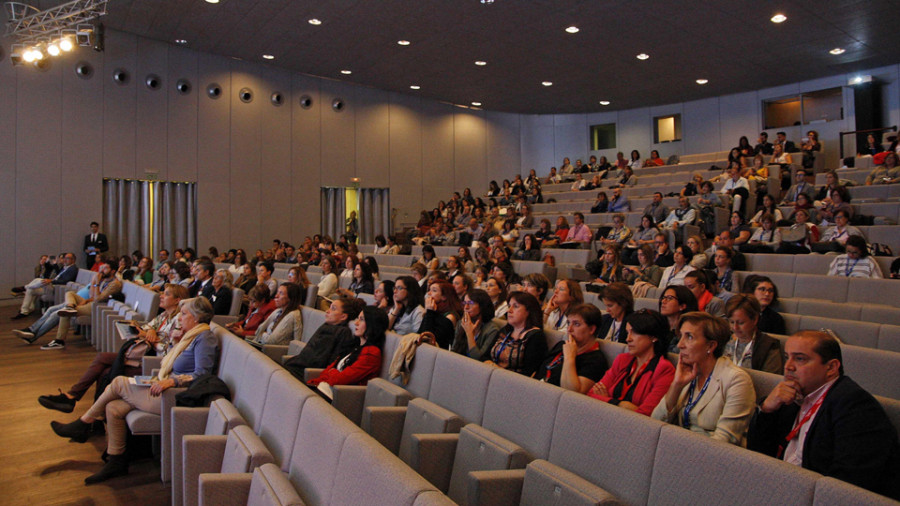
(373, 137)
(8, 126)
(275, 166)
(338, 134)
(246, 153)
(213, 152)
(183, 113)
(307, 155)
(119, 106)
(151, 117)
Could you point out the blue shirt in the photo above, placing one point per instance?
(197, 359)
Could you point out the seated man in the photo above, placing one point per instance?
(855, 262)
(822, 420)
(737, 188)
(579, 233)
(330, 341)
(657, 209)
(619, 203)
(678, 218)
(104, 285)
(34, 289)
(738, 261)
(801, 186)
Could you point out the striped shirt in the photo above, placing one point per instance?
(857, 268)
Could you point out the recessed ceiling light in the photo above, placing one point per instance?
(346, 72)
(547, 83)
(481, 63)
(180, 42)
(268, 57)
(572, 29)
(643, 56)
(414, 87)
(702, 81)
(212, 1)
(403, 42)
(838, 50)
(476, 104)
(315, 22)
(779, 18)
(604, 102)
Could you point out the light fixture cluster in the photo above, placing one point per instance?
(44, 48)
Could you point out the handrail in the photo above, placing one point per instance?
(869, 130)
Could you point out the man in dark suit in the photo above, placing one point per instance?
(763, 147)
(822, 420)
(94, 243)
(33, 290)
(789, 147)
(202, 285)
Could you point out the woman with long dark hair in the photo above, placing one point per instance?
(364, 360)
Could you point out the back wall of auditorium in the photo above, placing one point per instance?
(259, 167)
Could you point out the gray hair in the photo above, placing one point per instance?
(227, 278)
(199, 307)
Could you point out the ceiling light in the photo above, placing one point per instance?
(37, 54)
(487, 1)
(476, 104)
(547, 83)
(572, 29)
(53, 49)
(346, 72)
(268, 57)
(403, 42)
(28, 56)
(838, 50)
(180, 42)
(643, 56)
(414, 87)
(68, 35)
(702, 81)
(604, 102)
(779, 18)
(481, 63)
(315, 22)
(212, 1)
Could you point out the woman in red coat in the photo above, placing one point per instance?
(364, 361)
(638, 379)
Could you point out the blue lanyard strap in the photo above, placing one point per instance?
(849, 269)
(686, 419)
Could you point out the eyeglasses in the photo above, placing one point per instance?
(399, 287)
(668, 298)
(765, 290)
(469, 303)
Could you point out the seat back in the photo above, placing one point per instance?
(546, 483)
(237, 297)
(285, 399)
(830, 491)
(221, 418)
(250, 398)
(426, 417)
(312, 320)
(312, 292)
(480, 449)
(269, 487)
(455, 373)
(244, 451)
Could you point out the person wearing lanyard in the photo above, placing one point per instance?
(619, 302)
(577, 362)
(709, 394)
(674, 274)
(748, 347)
(820, 419)
(521, 345)
(856, 262)
(566, 295)
(638, 379)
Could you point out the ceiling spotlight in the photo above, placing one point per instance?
(547, 83)
(403, 42)
(487, 1)
(346, 72)
(572, 29)
(642, 56)
(476, 104)
(180, 42)
(838, 50)
(779, 18)
(414, 87)
(268, 57)
(212, 1)
(53, 49)
(481, 63)
(66, 42)
(604, 102)
(28, 56)
(315, 22)
(702, 81)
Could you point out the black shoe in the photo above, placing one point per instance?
(117, 465)
(19, 316)
(18, 289)
(58, 402)
(25, 335)
(67, 312)
(77, 431)
(55, 344)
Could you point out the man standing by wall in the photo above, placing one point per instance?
(94, 243)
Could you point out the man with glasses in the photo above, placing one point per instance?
(855, 262)
(36, 287)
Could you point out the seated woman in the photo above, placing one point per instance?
(768, 206)
(466, 261)
(363, 362)
(520, 346)
(749, 347)
(476, 332)
(654, 160)
(674, 274)
(855, 262)
(766, 294)
(223, 292)
(561, 232)
(837, 236)
(428, 259)
(363, 282)
(442, 312)
(544, 235)
(698, 283)
(646, 271)
(765, 239)
(154, 338)
(723, 271)
(566, 295)
(832, 181)
(286, 322)
(530, 249)
(577, 362)
(644, 234)
(297, 275)
(619, 302)
(384, 295)
(608, 268)
(740, 232)
(537, 285)
(810, 148)
(193, 356)
(709, 394)
(839, 201)
(328, 283)
(798, 238)
(509, 234)
(674, 302)
(889, 173)
(601, 204)
(406, 316)
(692, 187)
(638, 379)
(803, 203)
(496, 290)
(350, 263)
(695, 244)
(261, 306)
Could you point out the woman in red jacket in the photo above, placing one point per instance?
(638, 379)
(364, 361)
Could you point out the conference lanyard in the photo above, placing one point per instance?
(796, 430)
(559, 358)
(734, 357)
(849, 269)
(686, 419)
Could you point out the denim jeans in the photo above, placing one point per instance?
(46, 323)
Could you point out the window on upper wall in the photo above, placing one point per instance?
(804, 109)
(603, 136)
(667, 128)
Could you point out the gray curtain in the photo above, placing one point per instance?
(127, 221)
(333, 212)
(374, 213)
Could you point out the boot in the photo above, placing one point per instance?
(77, 431)
(117, 465)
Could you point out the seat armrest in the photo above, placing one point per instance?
(385, 424)
(200, 454)
(224, 489)
(185, 422)
(349, 400)
(275, 351)
(495, 487)
(224, 320)
(165, 429)
(311, 373)
(149, 363)
(431, 455)
(295, 346)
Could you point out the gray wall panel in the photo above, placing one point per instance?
(119, 106)
(8, 120)
(151, 119)
(373, 138)
(275, 160)
(504, 158)
(246, 155)
(213, 152)
(306, 152)
(338, 135)
(183, 114)
(701, 119)
(469, 155)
